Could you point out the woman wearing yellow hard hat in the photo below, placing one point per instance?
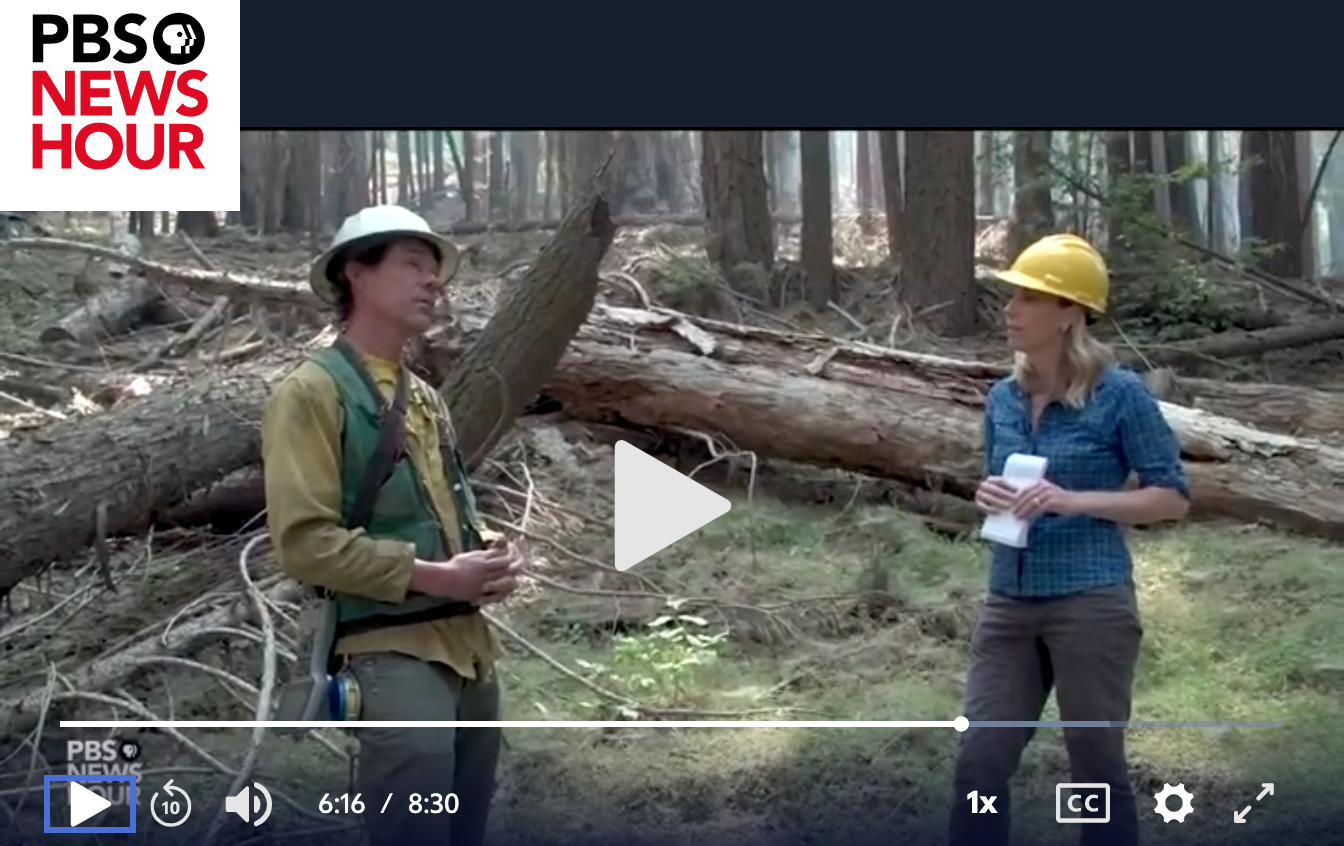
(1061, 611)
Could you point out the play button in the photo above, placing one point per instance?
(656, 506)
(85, 804)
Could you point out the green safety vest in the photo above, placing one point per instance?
(402, 511)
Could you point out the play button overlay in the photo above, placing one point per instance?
(85, 804)
(80, 804)
(656, 506)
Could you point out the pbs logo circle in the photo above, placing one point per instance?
(179, 38)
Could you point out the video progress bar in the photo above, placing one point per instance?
(960, 724)
(1125, 724)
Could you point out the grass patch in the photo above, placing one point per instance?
(1239, 626)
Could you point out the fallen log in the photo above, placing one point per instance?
(113, 311)
(1258, 342)
(894, 414)
(80, 480)
(116, 302)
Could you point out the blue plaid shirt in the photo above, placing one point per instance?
(1121, 429)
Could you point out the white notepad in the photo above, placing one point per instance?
(1020, 471)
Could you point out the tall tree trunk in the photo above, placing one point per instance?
(587, 150)
(939, 260)
(737, 210)
(352, 174)
(1275, 217)
(276, 173)
(787, 171)
(1306, 204)
(524, 152)
(498, 202)
(640, 171)
(665, 170)
(380, 151)
(984, 173)
(419, 157)
(893, 191)
(467, 178)
(686, 170)
(1119, 173)
(817, 247)
(405, 169)
(1180, 190)
(1143, 166)
(875, 169)
(550, 139)
(438, 176)
(1215, 227)
(863, 177)
(306, 186)
(1033, 206)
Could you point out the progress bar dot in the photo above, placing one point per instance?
(961, 724)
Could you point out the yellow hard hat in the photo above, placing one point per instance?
(1063, 265)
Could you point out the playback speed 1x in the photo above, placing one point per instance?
(428, 803)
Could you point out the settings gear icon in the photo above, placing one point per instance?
(1179, 814)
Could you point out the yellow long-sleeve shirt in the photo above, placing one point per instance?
(301, 455)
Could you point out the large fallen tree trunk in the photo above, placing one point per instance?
(81, 480)
(894, 414)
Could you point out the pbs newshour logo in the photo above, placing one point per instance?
(121, 105)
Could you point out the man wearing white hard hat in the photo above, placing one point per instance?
(368, 500)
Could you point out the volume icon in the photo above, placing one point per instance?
(244, 804)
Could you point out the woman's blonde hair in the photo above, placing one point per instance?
(1085, 359)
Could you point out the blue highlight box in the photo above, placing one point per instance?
(48, 828)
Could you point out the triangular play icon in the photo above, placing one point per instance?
(85, 804)
(656, 506)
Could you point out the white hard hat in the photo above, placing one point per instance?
(373, 225)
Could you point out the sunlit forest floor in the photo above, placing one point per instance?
(845, 610)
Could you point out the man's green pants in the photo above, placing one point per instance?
(420, 767)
